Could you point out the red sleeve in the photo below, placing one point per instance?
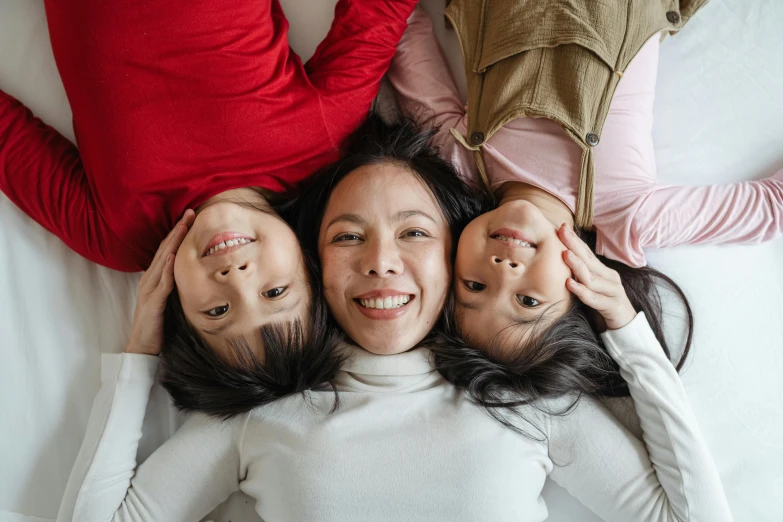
(41, 172)
(348, 65)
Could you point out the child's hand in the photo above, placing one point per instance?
(598, 286)
(155, 286)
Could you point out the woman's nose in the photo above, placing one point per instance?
(383, 260)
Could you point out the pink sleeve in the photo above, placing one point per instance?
(350, 62)
(42, 174)
(426, 91)
(738, 213)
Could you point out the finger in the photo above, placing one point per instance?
(153, 273)
(595, 282)
(166, 284)
(592, 299)
(166, 262)
(580, 248)
(173, 241)
(187, 220)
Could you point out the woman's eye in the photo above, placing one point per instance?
(218, 311)
(527, 301)
(275, 292)
(346, 237)
(415, 233)
(474, 286)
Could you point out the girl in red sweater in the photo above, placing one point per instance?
(200, 104)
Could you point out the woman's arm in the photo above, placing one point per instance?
(188, 475)
(183, 480)
(350, 62)
(41, 172)
(671, 474)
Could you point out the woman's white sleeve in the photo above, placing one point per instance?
(183, 480)
(670, 475)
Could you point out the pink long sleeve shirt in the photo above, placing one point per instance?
(632, 210)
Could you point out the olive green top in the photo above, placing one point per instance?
(558, 59)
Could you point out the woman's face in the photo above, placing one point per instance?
(509, 270)
(238, 269)
(385, 251)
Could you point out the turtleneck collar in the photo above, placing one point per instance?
(402, 373)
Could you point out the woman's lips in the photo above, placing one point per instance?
(512, 237)
(226, 242)
(383, 304)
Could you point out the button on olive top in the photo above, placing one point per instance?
(477, 138)
(592, 139)
(673, 17)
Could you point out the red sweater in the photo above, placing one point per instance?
(188, 100)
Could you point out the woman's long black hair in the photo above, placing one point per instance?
(300, 356)
(377, 141)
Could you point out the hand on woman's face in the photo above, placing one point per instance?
(385, 251)
(238, 269)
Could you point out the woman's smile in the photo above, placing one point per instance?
(384, 304)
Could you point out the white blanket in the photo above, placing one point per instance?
(719, 118)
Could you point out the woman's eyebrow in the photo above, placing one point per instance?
(399, 216)
(405, 214)
(350, 218)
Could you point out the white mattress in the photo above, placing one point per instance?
(719, 118)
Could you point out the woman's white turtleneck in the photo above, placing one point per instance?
(403, 445)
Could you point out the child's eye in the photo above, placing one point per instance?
(275, 292)
(346, 237)
(473, 286)
(527, 301)
(218, 311)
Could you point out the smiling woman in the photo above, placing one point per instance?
(386, 222)
(385, 250)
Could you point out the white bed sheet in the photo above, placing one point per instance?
(719, 118)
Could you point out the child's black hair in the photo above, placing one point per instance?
(562, 358)
(298, 356)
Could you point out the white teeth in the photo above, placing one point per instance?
(228, 244)
(386, 303)
(513, 241)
